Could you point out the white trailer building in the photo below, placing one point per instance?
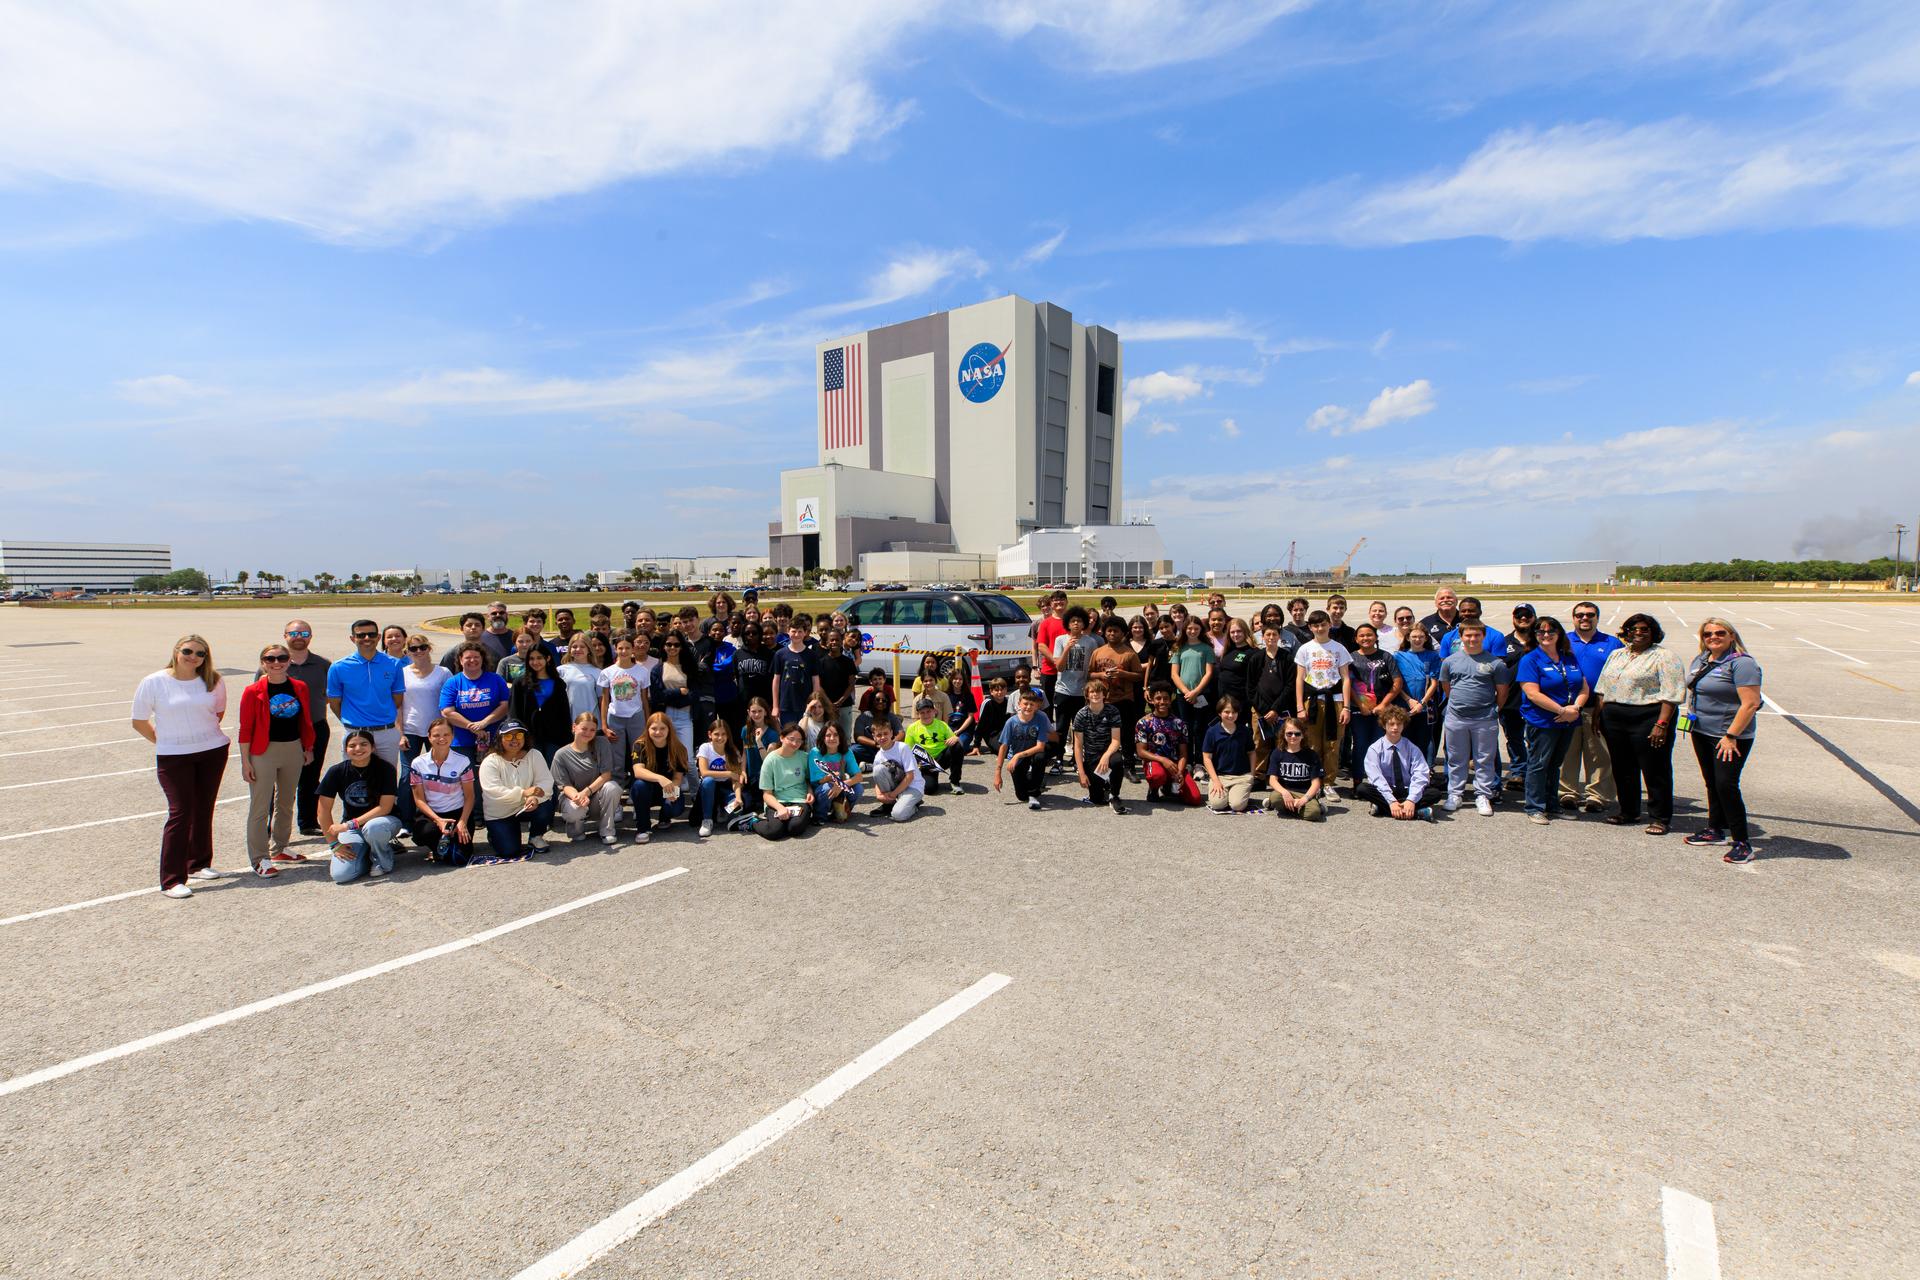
(1541, 573)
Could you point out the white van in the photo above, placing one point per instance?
(991, 624)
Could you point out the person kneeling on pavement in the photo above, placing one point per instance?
(583, 781)
(937, 752)
(364, 785)
(897, 781)
(441, 780)
(516, 787)
(1296, 779)
(783, 785)
(1396, 771)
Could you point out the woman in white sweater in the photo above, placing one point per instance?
(179, 709)
(515, 787)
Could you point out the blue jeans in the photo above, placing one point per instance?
(411, 745)
(1546, 749)
(648, 796)
(823, 799)
(714, 795)
(374, 840)
(503, 834)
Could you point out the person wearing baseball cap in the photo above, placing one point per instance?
(1513, 726)
(516, 786)
(932, 738)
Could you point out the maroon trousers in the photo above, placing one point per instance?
(192, 784)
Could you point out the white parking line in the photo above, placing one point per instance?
(103, 822)
(82, 777)
(1842, 625)
(76, 706)
(1693, 1248)
(35, 697)
(114, 897)
(609, 1234)
(72, 1066)
(1756, 622)
(77, 724)
(1835, 652)
(43, 684)
(1857, 719)
(72, 746)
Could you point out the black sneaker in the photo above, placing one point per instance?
(1740, 854)
(1119, 806)
(310, 831)
(1706, 835)
(883, 811)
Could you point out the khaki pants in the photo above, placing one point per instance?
(1237, 787)
(1311, 811)
(1323, 738)
(276, 780)
(1587, 753)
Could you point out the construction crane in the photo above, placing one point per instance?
(1340, 571)
(1276, 568)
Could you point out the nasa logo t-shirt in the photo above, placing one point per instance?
(358, 790)
(283, 714)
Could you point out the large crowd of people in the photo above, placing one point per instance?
(748, 720)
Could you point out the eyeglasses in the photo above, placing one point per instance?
(366, 635)
(1716, 632)
(299, 635)
(1293, 733)
(1586, 615)
(193, 653)
(419, 648)
(272, 657)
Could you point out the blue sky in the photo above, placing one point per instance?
(335, 289)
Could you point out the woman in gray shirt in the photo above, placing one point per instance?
(1723, 701)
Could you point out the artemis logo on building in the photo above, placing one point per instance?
(982, 370)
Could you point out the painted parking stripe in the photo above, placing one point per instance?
(75, 746)
(79, 777)
(43, 684)
(604, 1237)
(73, 1066)
(1693, 1247)
(1844, 626)
(77, 706)
(65, 693)
(44, 912)
(77, 724)
(1886, 789)
(103, 822)
(1835, 652)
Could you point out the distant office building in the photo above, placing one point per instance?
(82, 566)
(942, 440)
(702, 569)
(1542, 573)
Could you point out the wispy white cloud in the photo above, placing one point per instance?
(1393, 404)
(1381, 343)
(163, 389)
(1183, 329)
(1605, 181)
(1160, 427)
(1162, 385)
(1913, 379)
(909, 275)
(1039, 253)
(1131, 35)
(1229, 429)
(1553, 386)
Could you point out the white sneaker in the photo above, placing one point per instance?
(706, 828)
(1453, 804)
(640, 836)
(609, 839)
(376, 871)
(204, 873)
(1483, 806)
(1033, 803)
(178, 891)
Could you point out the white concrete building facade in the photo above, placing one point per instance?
(954, 435)
(81, 566)
(1087, 553)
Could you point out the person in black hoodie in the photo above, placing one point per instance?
(1237, 666)
(538, 700)
(1520, 643)
(1272, 699)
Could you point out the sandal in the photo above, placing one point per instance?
(1656, 828)
(1618, 820)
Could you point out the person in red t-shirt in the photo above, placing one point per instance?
(1051, 627)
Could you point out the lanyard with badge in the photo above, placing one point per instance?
(1684, 722)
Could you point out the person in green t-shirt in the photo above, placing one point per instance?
(783, 785)
(934, 737)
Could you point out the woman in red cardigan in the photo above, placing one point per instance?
(276, 742)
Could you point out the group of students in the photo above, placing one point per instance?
(1411, 712)
(514, 732)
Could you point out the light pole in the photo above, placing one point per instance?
(1898, 531)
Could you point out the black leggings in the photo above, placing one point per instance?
(1636, 760)
(798, 819)
(1726, 811)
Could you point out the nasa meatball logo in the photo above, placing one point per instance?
(982, 370)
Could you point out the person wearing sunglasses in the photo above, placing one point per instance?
(1553, 699)
(310, 669)
(1587, 752)
(498, 637)
(419, 708)
(1295, 775)
(671, 688)
(276, 734)
(1723, 703)
(367, 688)
(179, 709)
(1639, 692)
(516, 787)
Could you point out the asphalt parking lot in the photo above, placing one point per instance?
(1187, 1044)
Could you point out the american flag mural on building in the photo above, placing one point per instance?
(840, 394)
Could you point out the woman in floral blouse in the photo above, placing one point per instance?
(1639, 690)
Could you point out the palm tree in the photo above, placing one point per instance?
(240, 578)
(591, 579)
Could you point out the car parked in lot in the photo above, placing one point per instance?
(981, 621)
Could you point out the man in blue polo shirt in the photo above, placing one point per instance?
(1496, 644)
(366, 688)
(1588, 752)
